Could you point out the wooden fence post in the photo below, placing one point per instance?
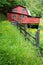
(20, 28)
(38, 38)
(25, 28)
(17, 25)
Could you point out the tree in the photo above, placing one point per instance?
(34, 6)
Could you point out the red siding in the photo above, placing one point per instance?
(26, 19)
(9, 16)
(19, 9)
(30, 20)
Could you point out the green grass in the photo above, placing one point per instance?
(14, 50)
(32, 31)
(41, 35)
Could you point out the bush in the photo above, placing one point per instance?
(14, 50)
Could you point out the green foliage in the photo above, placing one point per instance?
(2, 18)
(35, 6)
(41, 35)
(32, 31)
(14, 50)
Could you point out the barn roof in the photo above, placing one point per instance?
(28, 15)
(24, 14)
(28, 12)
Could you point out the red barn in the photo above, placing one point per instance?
(22, 15)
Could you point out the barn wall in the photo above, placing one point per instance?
(20, 10)
(23, 19)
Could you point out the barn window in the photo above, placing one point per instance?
(14, 10)
(24, 9)
(14, 16)
(21, 16)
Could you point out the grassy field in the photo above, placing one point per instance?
(41, 35)
(14, 50)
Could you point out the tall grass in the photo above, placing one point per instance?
(32, 31)
(14, 50)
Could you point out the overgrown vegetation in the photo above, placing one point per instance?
(32, 31)
(35, 6)
(41, 35)
(14, 50)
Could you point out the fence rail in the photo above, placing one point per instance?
(23, 29)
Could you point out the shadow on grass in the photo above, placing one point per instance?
(2, 17)
(41, 50)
